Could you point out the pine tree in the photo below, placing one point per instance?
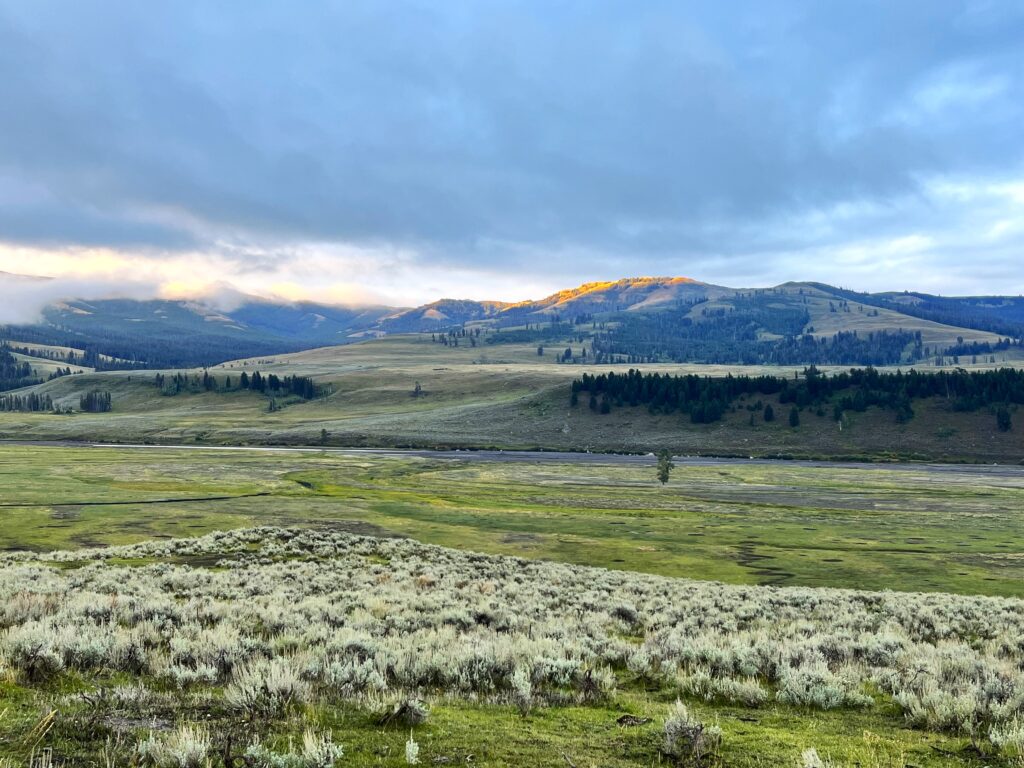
(1003, 419)
(665, 465)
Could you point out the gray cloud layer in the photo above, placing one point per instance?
(624, 137)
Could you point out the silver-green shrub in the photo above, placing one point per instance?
(292, 616)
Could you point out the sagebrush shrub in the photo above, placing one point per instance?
(686, 738)
(814, 685)
(412, 751)
(317, 751)
(810, 758)
(289, 616)
(30, 649)
(267, 688)
(187, 746)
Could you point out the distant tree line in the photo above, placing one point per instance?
(299, 386)
(94, 401)
(706, 399)
(29, 403)
(14, 373)
(109, 349)
(451, 337)
(974, 348)
(70, 357)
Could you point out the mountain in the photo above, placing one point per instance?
(629, 320)
(308, 322)
(442, 314)
(800, 324)
(628, 294)
(166, 334)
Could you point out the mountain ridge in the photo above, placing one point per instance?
(154, 331)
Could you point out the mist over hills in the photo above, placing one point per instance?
(648, 318)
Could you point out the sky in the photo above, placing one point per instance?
(399, 152)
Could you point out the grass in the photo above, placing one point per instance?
(493, 735)
(488, 396)
(958, 530)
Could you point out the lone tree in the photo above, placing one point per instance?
(794, 417)
(1003, 420)
(769, 413)
(665, 465)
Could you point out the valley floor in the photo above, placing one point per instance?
(241, 642)
(907, 527)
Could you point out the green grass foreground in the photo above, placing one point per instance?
(494, 735)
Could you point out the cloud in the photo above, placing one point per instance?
(323, 272)
(22, 299)
(267, 143)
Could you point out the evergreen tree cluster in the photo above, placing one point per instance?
(26, 403)
(70, 357)
(59, 373)
(111, 349)
(975, 348)
(452, 336)
(706, 399)
(95, 402)
(299, 386)
(13, 373)
(271, 384)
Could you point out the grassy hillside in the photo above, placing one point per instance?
(503, 396)
(831, 313)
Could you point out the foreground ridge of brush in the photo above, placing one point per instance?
(288, 647)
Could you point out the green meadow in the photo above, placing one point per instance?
(954, 529)
(900, 527)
